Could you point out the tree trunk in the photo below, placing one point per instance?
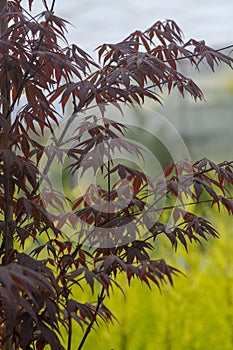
(5, 93)
(8, 214)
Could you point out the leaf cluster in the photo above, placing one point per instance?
(53, 247)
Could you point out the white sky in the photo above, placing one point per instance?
(110, 21)
(99, 21)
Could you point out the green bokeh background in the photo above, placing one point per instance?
(196, 314)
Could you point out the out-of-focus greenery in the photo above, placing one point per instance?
(197, 314)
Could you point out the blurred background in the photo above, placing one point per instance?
(206, 127)
(198, 313)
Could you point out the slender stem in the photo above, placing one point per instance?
(3, 24)
(8, 213)
(99, 302)
(5, 92)
(109, 188)
(101, 294)
(66, 295)
(69, 331)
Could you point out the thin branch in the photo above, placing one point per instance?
(69, 331)
(193, 55)
(89, 327)
(8, 213)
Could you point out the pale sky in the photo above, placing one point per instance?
(110, 21)
(96, 22)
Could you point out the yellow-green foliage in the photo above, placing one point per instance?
(197, 314)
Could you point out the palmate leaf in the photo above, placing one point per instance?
(28, 288)
(38, 71)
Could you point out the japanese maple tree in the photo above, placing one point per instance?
(54, 246)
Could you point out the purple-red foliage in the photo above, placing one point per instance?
(38, 71)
